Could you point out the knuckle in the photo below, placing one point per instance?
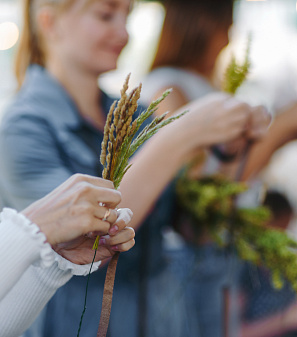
(133, 242)
(109, 183)
(105, 182)
(84, 188)
(117, 196)
(101, 228)
(105, 228)
(113, 216)
(78, 177)
(121, 223)
(131, 232)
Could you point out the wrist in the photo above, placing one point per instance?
(32, 213)
(177, 140)
(28, 236)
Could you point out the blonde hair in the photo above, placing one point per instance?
(30, 49)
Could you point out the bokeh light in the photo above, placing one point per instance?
(9, 35)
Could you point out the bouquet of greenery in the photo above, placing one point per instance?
(210, 204)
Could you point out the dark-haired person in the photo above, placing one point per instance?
(54, 128)
(192, 36)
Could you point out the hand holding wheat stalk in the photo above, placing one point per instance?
(117, 147)
(120, 142)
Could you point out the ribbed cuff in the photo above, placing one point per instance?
(27, 236)
(75, 269)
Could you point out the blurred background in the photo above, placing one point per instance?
(272, 81)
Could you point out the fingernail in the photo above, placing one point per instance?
(115, 247)
(102, 241)
(114, 229)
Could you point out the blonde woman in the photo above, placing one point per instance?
(54, 129)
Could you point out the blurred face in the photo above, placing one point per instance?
(92, 36)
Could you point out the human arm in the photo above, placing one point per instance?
(210, 120)
(62, 221)
(72, 211)
(45, 158)
(174, 101)
(282, 130)
(275, 325)
(34, 287)
(259, 122)
(32, 271)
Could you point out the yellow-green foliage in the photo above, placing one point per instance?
(120, 141)
(210, 202)
(236, 73)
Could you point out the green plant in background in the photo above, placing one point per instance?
(209, 202)
(236, 73)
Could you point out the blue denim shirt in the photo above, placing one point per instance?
(43, 141)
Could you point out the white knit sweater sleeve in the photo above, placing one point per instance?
(31, 272)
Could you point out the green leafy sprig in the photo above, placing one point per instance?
(119, 142)
(209, 200)
(236, 73)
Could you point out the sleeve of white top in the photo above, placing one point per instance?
(31, 272)
(21, 244)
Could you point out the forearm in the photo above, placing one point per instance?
(20, 246)
(267, 327)
(282, 131)
(31, 272)
(20, 307)
(153, 167)
(24, 289)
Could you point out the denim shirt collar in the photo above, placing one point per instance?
(64, 113)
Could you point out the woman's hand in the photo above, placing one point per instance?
(260, 121)
(74, 209)
(216, 118)
(221, 119)
(119, 239)
(257, 128)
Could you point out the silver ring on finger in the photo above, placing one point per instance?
(106, 215)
